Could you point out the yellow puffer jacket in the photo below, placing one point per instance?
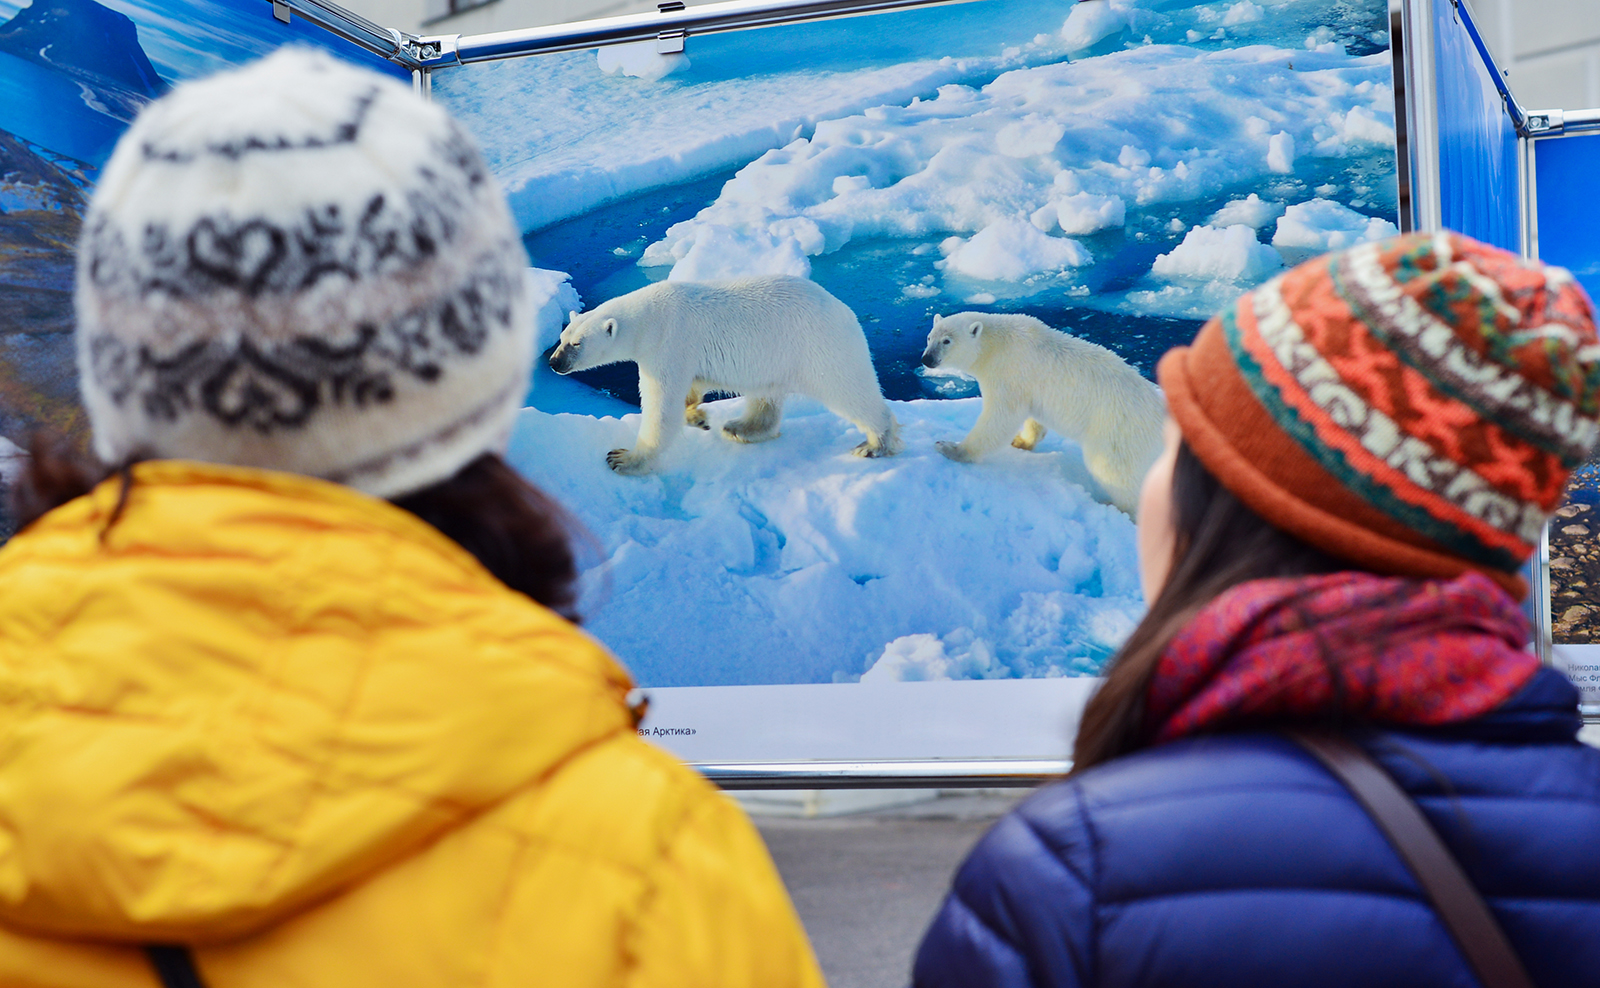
(300, 729)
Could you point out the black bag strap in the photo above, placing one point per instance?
(174, 965)
(1457, 903)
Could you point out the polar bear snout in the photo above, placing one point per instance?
(932, 355)
(562, 358)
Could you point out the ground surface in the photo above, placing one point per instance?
(867, 885)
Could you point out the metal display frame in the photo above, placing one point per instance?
(670, 27)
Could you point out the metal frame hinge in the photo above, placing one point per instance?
(670, 42)
(280, 11)
(1542, 123)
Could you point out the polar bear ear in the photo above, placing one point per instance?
(611, 327)
(572, 316)
(975, 329)
(937, 319)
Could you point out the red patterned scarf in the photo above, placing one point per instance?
(1385, 649)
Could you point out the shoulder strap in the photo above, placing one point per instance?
(1457, 903)
(174, 965)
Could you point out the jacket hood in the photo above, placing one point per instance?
(252, 690)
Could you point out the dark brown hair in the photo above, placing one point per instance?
(518, 532)
(515, 530)
(1220, 542)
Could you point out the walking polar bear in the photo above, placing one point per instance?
(1037, 378)
(763, 338)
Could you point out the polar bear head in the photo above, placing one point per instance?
(954, 341)
(590, 340)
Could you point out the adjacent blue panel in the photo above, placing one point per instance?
(1567, 181)
(1477, 141)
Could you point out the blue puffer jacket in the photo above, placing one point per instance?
(1238, 860)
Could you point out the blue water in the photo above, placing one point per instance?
(600, 249)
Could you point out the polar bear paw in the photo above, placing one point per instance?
(871, 450)
(627, 462)
(746, 432)
(953, 451)
(696, 416)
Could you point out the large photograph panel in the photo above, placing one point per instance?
(1116, 171)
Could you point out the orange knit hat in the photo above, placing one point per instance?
(1414, 405)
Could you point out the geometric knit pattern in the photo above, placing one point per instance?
(1342, 647)
(1451, 385)
(302, 266)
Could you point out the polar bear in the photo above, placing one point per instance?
(1039, 379)
(759, 337)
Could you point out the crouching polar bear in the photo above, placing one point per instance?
(763, 338)
(1039, 379)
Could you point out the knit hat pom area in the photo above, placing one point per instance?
(1413, 405)
(301, 265)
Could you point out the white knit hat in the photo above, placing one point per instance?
(302, 266)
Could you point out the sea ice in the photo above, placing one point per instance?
(1211, 254)
(1011, 250)
(1081, 213)
(1280, 153)
(1252, 211)
(1092, 21)
(1321, 225)
(1073, 142)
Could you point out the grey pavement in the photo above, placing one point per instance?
(866, 885)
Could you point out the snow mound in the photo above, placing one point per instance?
(1321, 225)
(1253, 211)
(1207, 253)
(640, 60)
(793, 561)
(1011, 250)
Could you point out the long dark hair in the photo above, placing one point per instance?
(1220, 542)
(519, 533)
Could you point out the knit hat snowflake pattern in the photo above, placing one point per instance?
(1414, 405)
(300, 265)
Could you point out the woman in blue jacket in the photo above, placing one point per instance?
(1360, 456)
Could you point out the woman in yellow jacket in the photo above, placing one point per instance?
(276, 698)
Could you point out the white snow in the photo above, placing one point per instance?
(794, 561)
(1208, 253)
(1321, 225)
(1252, 211)
(640, 60)
(1011, 250)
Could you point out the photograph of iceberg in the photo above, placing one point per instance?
(1118, 169)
